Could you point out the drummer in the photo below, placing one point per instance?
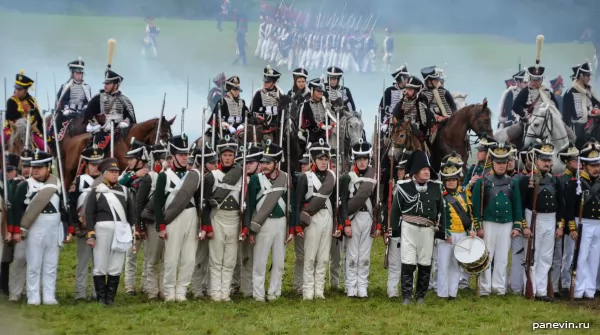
(459, 219)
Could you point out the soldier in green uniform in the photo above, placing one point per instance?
(6, 250)
(499, 213)
(484, 164)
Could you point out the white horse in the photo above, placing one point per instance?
(149, 44)
(351, 128)
(460, 99)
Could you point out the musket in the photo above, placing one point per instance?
(162, 113)
(201, 204)
(530, 242)
(374, 24)
(244, 180)
(376, 145)
(61, 170)
(55, 90)
(112, 138)
(289, 174)
(575, 261)
(481, 199)
(44, 123)
(187, 104)
(388, 239)
(6, 207)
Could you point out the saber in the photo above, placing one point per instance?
(112, 138)
(162, 112)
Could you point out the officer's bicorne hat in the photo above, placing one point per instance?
(300, 72)
(334, 72)
(22, 82)
(108, 164)
(417, 161)
(210, 156)
(590, 153)
(557, 83)
(362, 150)
(542, 149)
(520, 76)
(270, 75)
(272, 153)
(219, 79)
(11, 161)
(159, 151)
(77, 65)
(179, 145)
(536, 72)
(319, 149)
(567, 153)
(400, 73)
(26, 157)
(233, 82)
(227, 144)
(431, 72)
(316, 85)
(41, 159)
(92, 155)
(581, 69)
(138, 150)
(254, 153)
(485, 142)
(111, 77)
(414, 82)
(500, 152)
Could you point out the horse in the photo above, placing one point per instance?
(401, 137)
(16, 141)
(145, 132)
(452, 135)
(460, 99)
(149, 44)
(68, 127)
(351, 128)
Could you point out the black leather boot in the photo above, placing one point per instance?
(100, 286)
(4, 271)
(423, 275)
(111, 289)
(406, 280)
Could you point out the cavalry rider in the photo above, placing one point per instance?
(557, 85)
(75, 94)
(440, 100)
(23, 105)
(107, 107)
(78, 192)
(340, 96)
(392, 96)
(215, 94)
(388, 49)
(581, 208)
(580, 105)
(266, 102)
(300, 91)
(357, 194)
(534, 95)
(313, 114)
(152, 30)
(231, 109)
(514, 86)
(548, 225)
(418, 213)
(408, 107)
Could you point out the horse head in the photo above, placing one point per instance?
(460, 99)
(546, 122)
(150, 129)
(354, 126)
(479, 117)
(16, 142)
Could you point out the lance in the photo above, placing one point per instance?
(56, 91)
(162, 113)
(112, 138)
(374, 23)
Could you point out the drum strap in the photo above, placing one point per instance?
(460, 211)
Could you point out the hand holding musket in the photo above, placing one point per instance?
(62, 179)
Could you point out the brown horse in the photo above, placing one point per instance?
(16, 141)
(144, 132)
(453, 134)
(69, 127)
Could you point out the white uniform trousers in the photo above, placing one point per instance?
(567, 259)
(153, 257)
(18, 271)
(298, 263)
(556, 264)
(517, 270)
(358, 255)
(270, 239)
(434, 266)
(180, 254)
(317, 247)
(464, 279)
(200, 277)
(416, 244)
(336, 261)
(82, 272)
(394, 267)
(242, 274)
(589, 259)
(497, 240)
(448, 271)
(545, 231)
(43, 246)
(223, 250)
(131, 261)
(106, 261)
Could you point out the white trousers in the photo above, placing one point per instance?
(567, 260)
(200, 277)
(223, 252)
(448, 271)
(589, 259)
(335, 261)
(517, 270)
(497, 241)
(394, 267)
(434, 266)
(358, 255)
(43, 246)
(106, 261)
(82, 272)
(298, 263)
(131, 260)
(180, 253)
(416, 244)
(18, 271)
(317, 244)
(270, 240)
(545, 231)
(153, 257)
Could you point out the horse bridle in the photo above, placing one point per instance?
(547, 124)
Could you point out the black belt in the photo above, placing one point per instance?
(190, 205)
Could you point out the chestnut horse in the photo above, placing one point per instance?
(145, 132)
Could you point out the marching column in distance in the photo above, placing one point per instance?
(388, 49)
(137, 160)
(580, 103)
(78, 192)
(582, 202)
(13, 178)
(23, 105)
(222, 189)
(176, 214)
(499, 216)
(417, 211)
(548, 225)
(357, 194)
(340, 96)
(514, 87)
(201, 275)
(298, 240)
(266, 223)
(39, 209)
(314, 219)
(233, 109)
(459, 224)
(74, 95)
(392, 95)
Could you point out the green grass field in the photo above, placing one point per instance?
(477, 64)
